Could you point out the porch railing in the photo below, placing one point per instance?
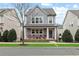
(36, 36)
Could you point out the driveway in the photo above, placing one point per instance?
(28, 51)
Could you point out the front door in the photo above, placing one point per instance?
(50, 33)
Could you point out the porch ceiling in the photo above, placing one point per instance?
(40, 25)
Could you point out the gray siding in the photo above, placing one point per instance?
(38, 12)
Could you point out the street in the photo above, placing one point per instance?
(29, 51)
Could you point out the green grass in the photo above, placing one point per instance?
(39, 45)
(53, 45)
(9, 45)
(68, 45)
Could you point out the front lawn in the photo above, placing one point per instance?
(41, 45)
(9, 45)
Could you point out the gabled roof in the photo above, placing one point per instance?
(47, 11)
(76, 12)
(2, 11)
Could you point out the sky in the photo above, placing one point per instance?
(59, 8)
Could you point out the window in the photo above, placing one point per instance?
(71, 24)
(40, 30)
(37, 20)
(33, 20)
(50, 21)
(40, 20)
(36, 30)
(33, 31)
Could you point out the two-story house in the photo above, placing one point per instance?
(40, 23)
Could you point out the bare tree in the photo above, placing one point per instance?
(21, 8)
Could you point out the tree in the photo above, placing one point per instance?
(67, 37)
(77, 36)
(5, 33)
(12, 36)
(21, 8)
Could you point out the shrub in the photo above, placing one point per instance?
(77, 36)
(0, 36)
(67, 37)
(12, 35)
(5, 34)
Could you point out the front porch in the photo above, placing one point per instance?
(41, 33)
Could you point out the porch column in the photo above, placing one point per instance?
(55, 33)
(47, 33)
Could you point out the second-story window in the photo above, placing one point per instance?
(40, 20)
(37, 20)
(33, 20)
(50, 21)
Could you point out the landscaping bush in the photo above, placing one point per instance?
(0, 36)
(4, 37)
(12, 35)
(67, 37)
(77, 36)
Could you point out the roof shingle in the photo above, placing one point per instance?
(47, 11)
(76, 12)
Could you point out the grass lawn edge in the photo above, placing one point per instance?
(40, 45)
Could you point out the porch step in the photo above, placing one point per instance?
(40, 40)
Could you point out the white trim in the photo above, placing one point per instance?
(47, 33)
(55, 33)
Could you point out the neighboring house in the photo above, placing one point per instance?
(40, 23)
(9, 21)
(71, 21)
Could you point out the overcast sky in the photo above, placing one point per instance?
(60, 8)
